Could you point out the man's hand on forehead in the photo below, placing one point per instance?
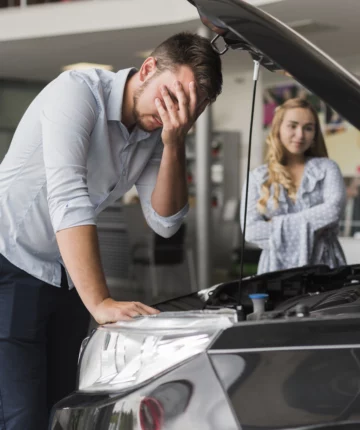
(177, 111)
(201, 100)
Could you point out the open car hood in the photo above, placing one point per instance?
(245, 27)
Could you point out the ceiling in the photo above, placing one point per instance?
(333, 25)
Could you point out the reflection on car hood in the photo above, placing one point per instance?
(246, 27)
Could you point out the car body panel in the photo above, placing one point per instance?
(291, 332)
(182, 404)
(294, 388)
(282, 387)
(286, 371)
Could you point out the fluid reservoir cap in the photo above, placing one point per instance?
(259, 296)
(258, 301)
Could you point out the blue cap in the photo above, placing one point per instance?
(259, 296)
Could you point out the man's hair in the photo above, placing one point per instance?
(194, 51)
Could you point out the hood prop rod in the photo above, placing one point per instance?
(239, 309)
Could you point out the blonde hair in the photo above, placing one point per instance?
(275, 156)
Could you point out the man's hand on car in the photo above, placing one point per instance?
(110, 310)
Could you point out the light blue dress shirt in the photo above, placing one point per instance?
(69, 159)
(301, 232)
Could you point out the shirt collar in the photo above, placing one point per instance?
(114, 104)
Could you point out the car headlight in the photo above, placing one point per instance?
(129, 353)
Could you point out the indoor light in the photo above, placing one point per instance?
(144, 54)
(85, 66)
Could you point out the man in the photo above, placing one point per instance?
(82, 143)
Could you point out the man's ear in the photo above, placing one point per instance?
(147, 69)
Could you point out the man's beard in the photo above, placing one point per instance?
(139, 121)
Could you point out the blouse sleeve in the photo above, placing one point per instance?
(257, 229)
(293, 235)
(328, 213)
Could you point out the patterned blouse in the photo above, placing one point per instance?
(301, 232)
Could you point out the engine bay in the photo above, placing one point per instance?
(304, 291)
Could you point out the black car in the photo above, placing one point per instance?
(207, 361)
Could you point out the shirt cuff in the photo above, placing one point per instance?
(171, 220)
(73, 215)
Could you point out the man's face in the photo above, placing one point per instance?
(145, 112)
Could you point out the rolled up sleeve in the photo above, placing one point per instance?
(293, 235)
(257, 229)
(324, 215)
(328, 213)
(68, 118)
(163, 226)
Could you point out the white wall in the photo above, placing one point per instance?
(54, 19)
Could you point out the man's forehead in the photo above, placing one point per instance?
(184, 75)
(200, 95)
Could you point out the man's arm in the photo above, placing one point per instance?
(68, 117)
(80, 251)
(170, 194)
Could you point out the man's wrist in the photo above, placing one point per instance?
(175, 143)
(175, 150)
(93, 303)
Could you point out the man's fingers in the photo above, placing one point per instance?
(147, 309)
(163, 114)
(193, 98)
(110, 310)
(121, 316)
(183, 102)
(135, 309)
(170, 106)
(134, 313)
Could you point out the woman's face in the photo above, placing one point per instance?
(297, 130)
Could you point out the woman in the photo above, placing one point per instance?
(296, 200)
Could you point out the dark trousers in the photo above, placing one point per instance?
(41, 329)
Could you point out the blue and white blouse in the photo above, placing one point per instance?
(301, 232)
